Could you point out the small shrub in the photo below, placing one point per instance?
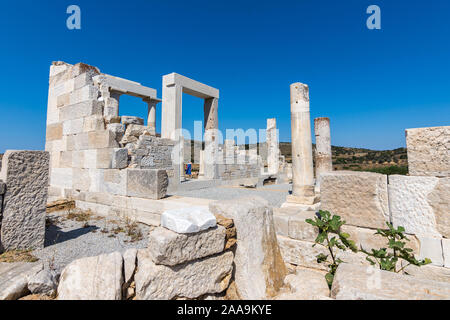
(331, 237)
(387, 258)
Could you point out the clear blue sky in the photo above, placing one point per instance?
(371, 83)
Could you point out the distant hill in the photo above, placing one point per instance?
(359, 159)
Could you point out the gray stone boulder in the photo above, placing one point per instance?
(170, 248)
(43, 283)
(259, 266)
(126, 120)
(26, 175)
(93, 278)
(190, 280)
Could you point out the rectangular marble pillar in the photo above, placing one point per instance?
(302, 156)
(171, 122)
(211, 144)
(323, 155)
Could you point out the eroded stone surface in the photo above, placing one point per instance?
(129, 264)
(260, 269)
(360, 198)
(188, 220)
(428, 151)
(439, 199)
(428, 272)
(170, 248)
(14, 278)
(147, 183)
(306, 284)
(420, 204)
(353, 282)
(189, 280)
(43, 282)
(93, 278)
(301, 253)
(26, 176)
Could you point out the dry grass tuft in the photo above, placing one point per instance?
(79, 215)
(17, 256)
(60, 205)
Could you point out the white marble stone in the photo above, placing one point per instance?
(188, 220)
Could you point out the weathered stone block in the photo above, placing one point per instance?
(126, 120)
(102, 139)
(85, 93)
(431, 248)
(147, 183)
(170, 248)
(63, 100)
(14, 278)
(360, 198)
(306, 284)
(93, 278)
(80, 110)
(259, 266)
(427, 272)
(428, 151)
(118, 129)
(26, 174)
(112, 181)
(446, 251)
(301, 253)
(420, 204)
(189, 280)
(73, 126)
(353, 282)
(61, 178)
(119, 158)
(54, 132)
(93, 123)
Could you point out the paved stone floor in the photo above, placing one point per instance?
(275, 194)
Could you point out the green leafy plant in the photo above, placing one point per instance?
(387, 258)
(331, 237)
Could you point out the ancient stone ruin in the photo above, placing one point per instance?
(234, 244)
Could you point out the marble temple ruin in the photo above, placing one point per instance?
(199, 248)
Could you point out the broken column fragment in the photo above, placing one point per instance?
(273, 150)
(323, 155)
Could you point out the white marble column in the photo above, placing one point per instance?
(302, 156)
(273, 150)
(323, 155)
(112, 104)
(151, 119)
